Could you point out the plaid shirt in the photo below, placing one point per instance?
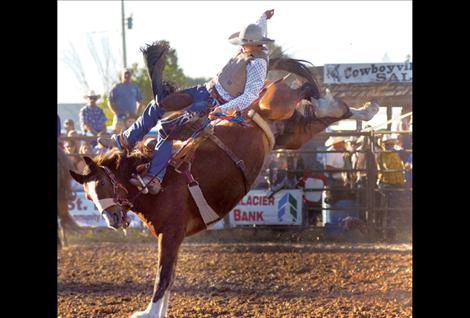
(93, 117)
(256, 71)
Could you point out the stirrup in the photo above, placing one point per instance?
(140, 184)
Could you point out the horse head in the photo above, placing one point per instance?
(106, 191)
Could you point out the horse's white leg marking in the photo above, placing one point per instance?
(153, 310)
(366, 112)
(166, 303)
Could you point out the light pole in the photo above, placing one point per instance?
(123, 35)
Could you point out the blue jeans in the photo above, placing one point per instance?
(152, 114)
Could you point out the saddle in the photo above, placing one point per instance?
(182, 160)
(182, 126)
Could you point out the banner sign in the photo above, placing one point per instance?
(86, 214)
(367, 73)
(285, 207)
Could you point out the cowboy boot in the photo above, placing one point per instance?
(118, 141)
(153, 184)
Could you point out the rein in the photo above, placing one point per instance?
(118, 198)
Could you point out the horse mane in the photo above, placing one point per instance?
(297, 67)
(306, 113)
(124, 161)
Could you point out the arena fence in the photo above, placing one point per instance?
(376, 209)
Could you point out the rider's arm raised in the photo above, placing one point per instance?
(261, 22)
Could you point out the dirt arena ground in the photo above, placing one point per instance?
(240, 280)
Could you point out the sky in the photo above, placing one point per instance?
(322, 32)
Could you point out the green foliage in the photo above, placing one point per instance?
(172, 71)
(141, 78)
(104, 106)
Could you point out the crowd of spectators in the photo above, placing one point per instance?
(124, 99)
(390, 162)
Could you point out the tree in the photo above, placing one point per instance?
(104, 106)
(106, 66)
(72, 59)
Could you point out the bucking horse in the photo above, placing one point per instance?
(214, 172)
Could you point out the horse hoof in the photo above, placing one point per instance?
(140, 314)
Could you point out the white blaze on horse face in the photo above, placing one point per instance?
(101, 204)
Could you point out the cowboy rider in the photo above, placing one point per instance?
(233, 89)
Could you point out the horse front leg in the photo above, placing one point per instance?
(168, 246)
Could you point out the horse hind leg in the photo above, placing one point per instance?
(168, 252)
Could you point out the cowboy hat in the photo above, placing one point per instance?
(334, 140)
(250, 34)
(352, 139)
(356, 140)
(92, 94)
(389, 137)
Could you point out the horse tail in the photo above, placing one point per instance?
(299, 68)
(155, 60)
(64, 192)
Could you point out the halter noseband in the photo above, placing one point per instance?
(118, 198)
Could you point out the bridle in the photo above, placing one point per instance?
(118, 198)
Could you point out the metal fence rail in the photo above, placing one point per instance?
(375, 215)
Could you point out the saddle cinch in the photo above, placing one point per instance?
(194, 129)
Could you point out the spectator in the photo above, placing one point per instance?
(311, 182)
(58, 126)
(86, 150)
(278, 178)
(389, 180)
(71, 150)
(359, 162)
(336, 161)
(124, 97)
(409, 170)
(99, 149)
(60, 144)
(409, 164)
(352, 143)
(92, 118)
(68, 126)
(74, 133)
(390, 161)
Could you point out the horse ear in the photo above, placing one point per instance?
(78, 177)
(90, 163)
